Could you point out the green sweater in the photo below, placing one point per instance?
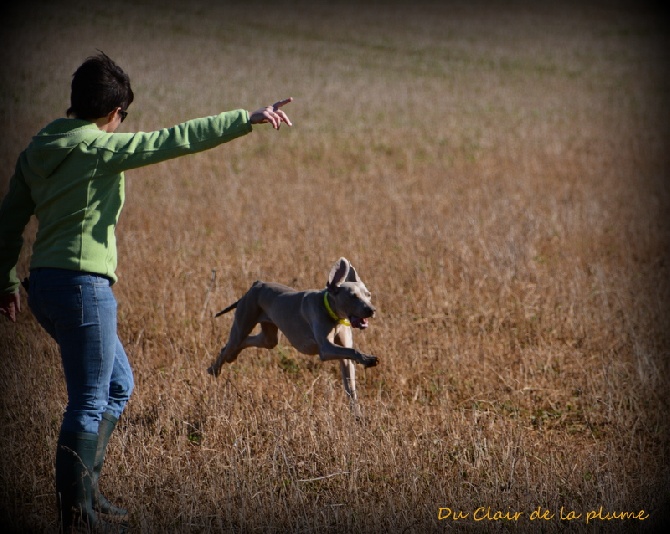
(71, 178)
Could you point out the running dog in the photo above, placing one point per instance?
(314, 322)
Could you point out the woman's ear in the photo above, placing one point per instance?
(112, 114)
(106, 123)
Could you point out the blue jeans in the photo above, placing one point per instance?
(79, 311)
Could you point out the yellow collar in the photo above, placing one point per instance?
(330, 311)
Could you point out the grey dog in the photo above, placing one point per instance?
(314, 322)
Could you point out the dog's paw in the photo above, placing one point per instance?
(212, 371)
(367, 360)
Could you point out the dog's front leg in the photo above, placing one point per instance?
(348, 369)
(344, 337)
(326, 336)
(329, 351)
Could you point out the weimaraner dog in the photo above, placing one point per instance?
(314, 322)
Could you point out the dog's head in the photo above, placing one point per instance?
(350, 298)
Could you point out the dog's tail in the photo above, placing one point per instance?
(229, 308)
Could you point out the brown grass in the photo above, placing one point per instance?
(499, 177)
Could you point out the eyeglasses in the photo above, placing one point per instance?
(123, 115)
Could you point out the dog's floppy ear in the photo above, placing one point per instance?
(338, 273)
(352, 275)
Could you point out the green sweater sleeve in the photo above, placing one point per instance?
(15, 212)
(120, 151)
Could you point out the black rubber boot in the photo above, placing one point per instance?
(75, 454)
(100, 502)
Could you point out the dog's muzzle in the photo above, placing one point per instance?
(358, 322)
(361, 322)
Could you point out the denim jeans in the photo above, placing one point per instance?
(79, 311)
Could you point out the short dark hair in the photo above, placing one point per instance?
(98, 87)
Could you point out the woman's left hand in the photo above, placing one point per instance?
(10, 305)
(272, 114)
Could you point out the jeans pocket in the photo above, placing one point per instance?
(63, 306)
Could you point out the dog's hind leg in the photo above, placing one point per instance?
(247, 316)
(267, 338)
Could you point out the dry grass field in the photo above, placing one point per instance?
(499, 175)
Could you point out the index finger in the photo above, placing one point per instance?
(281, 103)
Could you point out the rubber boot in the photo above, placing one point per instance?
(100, 502)
(75, 454)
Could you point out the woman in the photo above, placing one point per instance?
(71, 178)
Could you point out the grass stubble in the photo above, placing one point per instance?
(499, 177)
